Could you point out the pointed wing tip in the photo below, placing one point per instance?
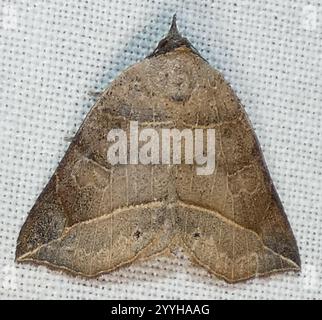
(230, 280)
(19, 260)
(19, 253)
(23, 251)
(292, 256)
(294, 265)
(297, 262)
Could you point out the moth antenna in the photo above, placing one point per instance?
(174, 29)
(172, 41)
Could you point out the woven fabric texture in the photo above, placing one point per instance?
(54, 53)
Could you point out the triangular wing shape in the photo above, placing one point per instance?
(93, 217)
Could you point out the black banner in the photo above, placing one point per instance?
(144, 309)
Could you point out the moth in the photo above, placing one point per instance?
(94, 217)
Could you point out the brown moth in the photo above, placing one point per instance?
(94, 217)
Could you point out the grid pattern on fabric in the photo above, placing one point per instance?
(54, 53)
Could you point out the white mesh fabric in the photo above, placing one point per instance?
(54, 52)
